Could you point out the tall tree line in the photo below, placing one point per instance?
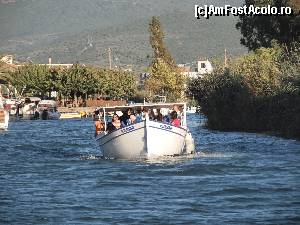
(77, 81)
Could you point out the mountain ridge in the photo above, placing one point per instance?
(84, 31)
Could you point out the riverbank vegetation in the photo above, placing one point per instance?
(78, 81)
(258, 92)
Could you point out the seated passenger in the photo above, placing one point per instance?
(145, 113)
(132, 120)
(99, 128)
(116, 121)
(174, 120)
(166, 119)
(158, 116)
(139, 116)
(151, 114)
(125, 117)
(110, 128)
(178, 110)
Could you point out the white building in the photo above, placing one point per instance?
(203, 67)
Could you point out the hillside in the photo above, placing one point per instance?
(75, 30)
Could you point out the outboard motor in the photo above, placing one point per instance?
(45, 114)
(189, 144)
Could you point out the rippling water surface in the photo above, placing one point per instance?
(51, 172)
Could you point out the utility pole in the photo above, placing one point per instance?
(109, 58)
(225, 58)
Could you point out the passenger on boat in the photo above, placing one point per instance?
(166, 119)
(174, 119)
(139, 115)
(125, 117)
(110, 128)
(178, 111)
(158, 116)
(116, 121)
(145, 113)
(99, 128)
(132, 120)
(151, 114)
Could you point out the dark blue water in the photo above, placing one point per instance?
(51, 173)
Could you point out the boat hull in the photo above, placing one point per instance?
(164, 139)
(143, 140)
(4, 118)
(125, 143)
(47, 115)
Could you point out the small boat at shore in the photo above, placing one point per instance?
(48, 110)
(145, 139)
(4, 115)
(191, 110)
(70, 115)
(29, 109)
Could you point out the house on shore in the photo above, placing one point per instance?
(203, 66)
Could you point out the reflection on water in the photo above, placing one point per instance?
(51, 172)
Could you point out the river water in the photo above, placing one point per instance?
(51, 173)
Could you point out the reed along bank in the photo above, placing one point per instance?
(258, 92)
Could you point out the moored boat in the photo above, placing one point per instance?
(191, 110)
(29, 110)
(4, 115)
(48, 110)
(70, 115)
(147, 138)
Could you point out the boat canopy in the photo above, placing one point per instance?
(113, 109)
(33, 99)
(138, 106)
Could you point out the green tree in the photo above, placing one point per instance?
(260, 69)
(77, 81)
(165, 78)
(165, 81)
(259, 31)
(156, 40)
(32, 79)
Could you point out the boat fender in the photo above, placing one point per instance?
(189, 144)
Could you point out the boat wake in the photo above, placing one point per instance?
(212, 155)
(92, 157)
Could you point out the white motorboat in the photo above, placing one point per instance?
(70, 115)
(48, 110)
(191, 110)
(29, 110)
(146, 139)
(4, 115)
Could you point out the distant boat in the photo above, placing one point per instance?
(48, 110)
(70, 115)
(191, 110)
(29, 110)
(4, 115)
(146, 139)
